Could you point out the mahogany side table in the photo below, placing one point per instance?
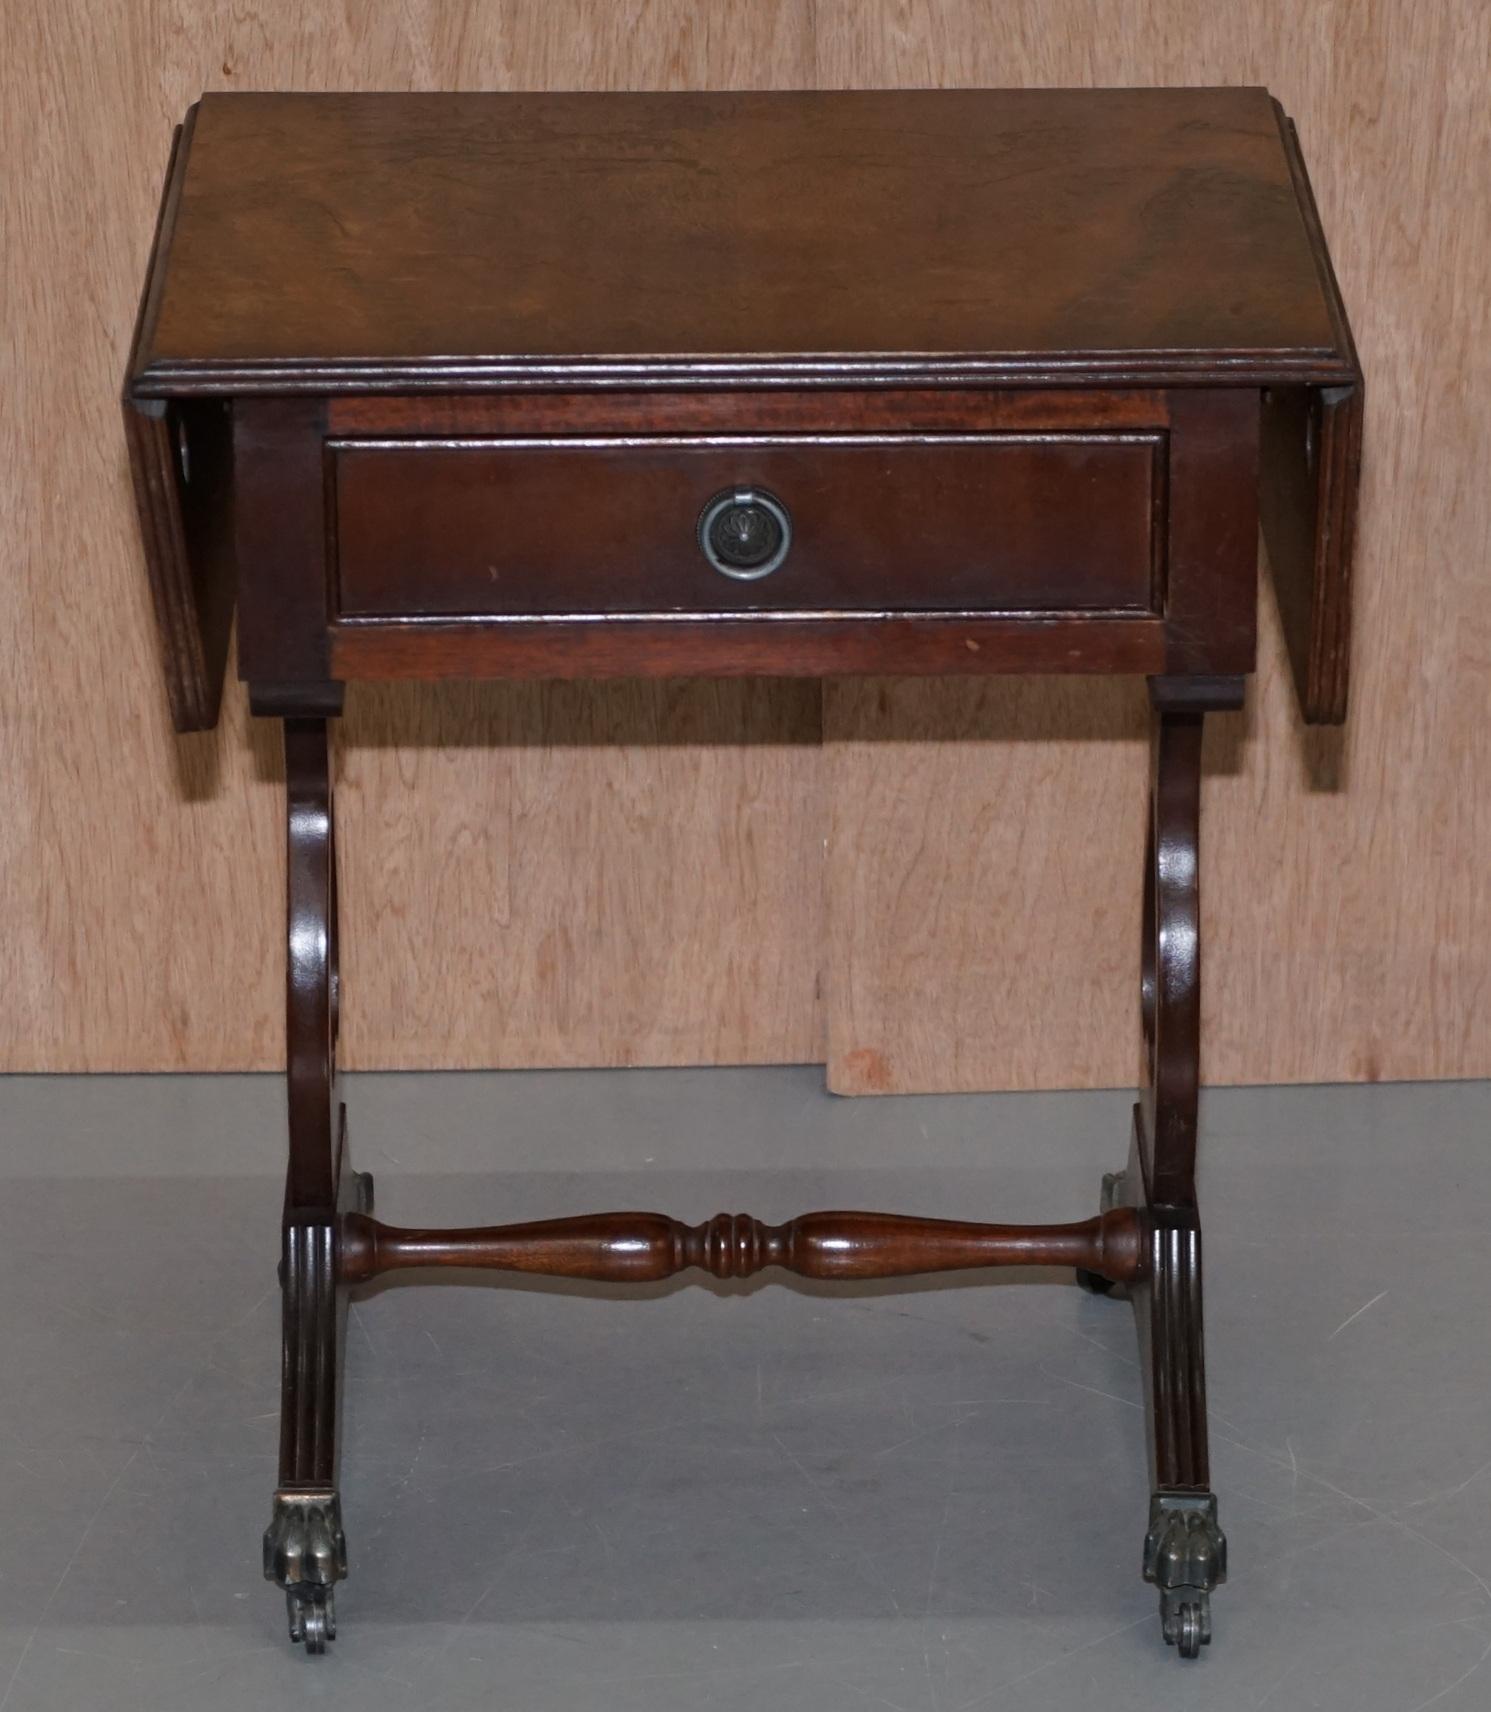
(578, 386)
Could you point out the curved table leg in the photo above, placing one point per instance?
(305, 1550)
(1185, 1551)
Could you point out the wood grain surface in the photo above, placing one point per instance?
(375, 234)
(646, 891)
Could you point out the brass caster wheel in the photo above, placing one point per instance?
(305, 1553)
(1185, 1556)
(1190, 1629)
(313, 1616)
(1113, 1182)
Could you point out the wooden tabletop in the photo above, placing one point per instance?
(362, 240)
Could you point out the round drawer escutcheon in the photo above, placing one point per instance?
(745, 532)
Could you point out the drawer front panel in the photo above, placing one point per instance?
(1059, 522)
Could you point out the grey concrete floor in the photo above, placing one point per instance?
(920, 1496)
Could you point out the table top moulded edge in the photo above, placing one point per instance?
(1311, 435)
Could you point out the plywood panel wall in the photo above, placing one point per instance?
(618, 881)
(942, 892)
(986, 935)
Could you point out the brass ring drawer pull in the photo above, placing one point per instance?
(745, 533)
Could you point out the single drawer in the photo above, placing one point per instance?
(822, 524)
